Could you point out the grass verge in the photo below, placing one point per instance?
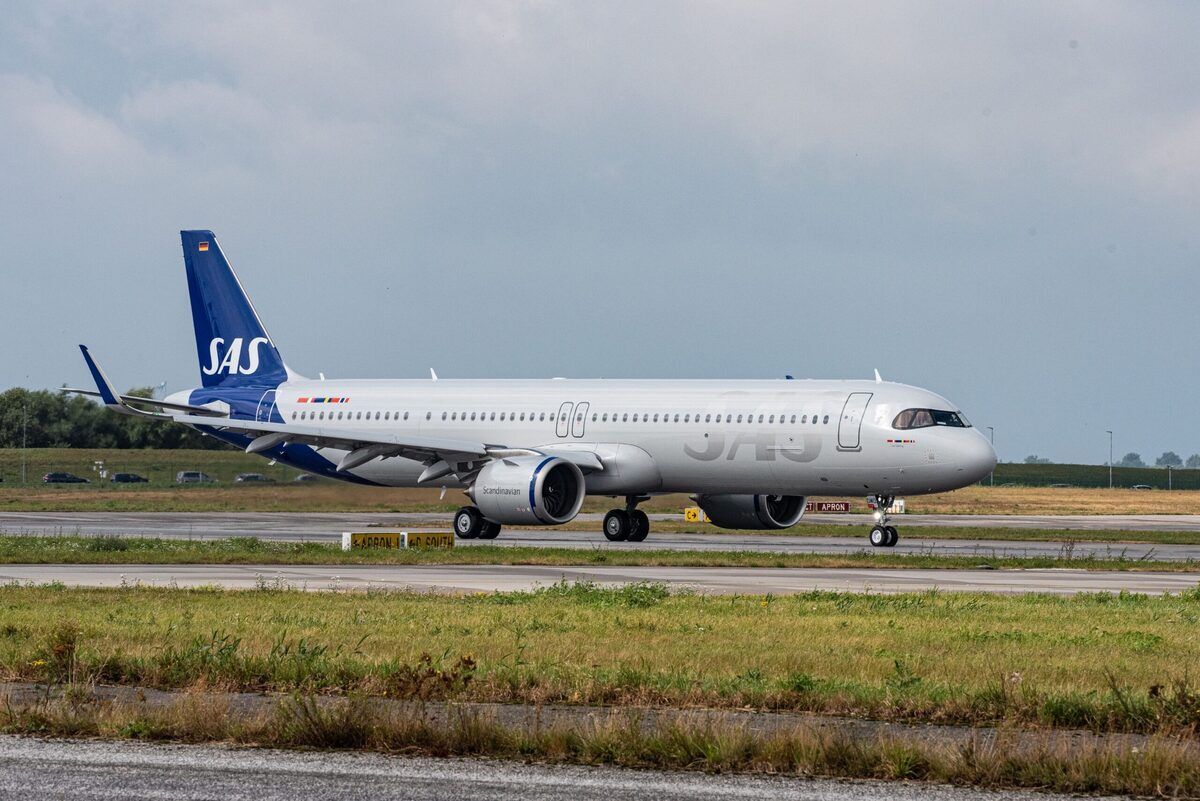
(250, 550)
(1160, 768)
(1109, 663)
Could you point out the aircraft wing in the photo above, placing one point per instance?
(363, 445)
(128, 399)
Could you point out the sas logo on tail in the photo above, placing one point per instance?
(231, 362)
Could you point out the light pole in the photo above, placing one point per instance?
(1109, 459)
(1168, 476)
(24, 437)
(992, 437)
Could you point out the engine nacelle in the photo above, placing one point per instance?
(527, 490)
(752, 511)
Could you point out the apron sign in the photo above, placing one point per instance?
(353, 540)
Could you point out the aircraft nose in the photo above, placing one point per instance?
(977, 457)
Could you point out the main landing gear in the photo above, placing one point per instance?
(469, 524)
(629, 524)
(883, 535)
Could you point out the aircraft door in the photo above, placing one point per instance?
(577, 426)
(850, 426)
(564, 419)
(266, 405)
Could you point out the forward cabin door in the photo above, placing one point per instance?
(850, 426)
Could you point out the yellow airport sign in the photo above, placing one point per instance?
(352, 540)
(694, 514)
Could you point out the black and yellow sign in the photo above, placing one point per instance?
(396, 539)
(694, 514)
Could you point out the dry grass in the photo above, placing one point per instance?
(336, 497)
(1057, 501)
(1161, 767)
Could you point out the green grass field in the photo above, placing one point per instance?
(1106, 662)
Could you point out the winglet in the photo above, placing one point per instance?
(107, 393)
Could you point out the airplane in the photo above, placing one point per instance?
(527, 452)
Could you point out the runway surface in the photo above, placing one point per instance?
(508, 578)
(287, 526)
(64, 769)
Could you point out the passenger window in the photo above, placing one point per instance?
(635, 417)
(542, 416)
(625, 417)
(293, 415)
(826, 420)
(522, 417)
(739, 418)
(676, 418)
(793, 418)
(771, 419)
(406, 415)
(593, 417)
(687, 418)
(760, 418)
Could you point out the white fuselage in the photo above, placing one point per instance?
(801, 437)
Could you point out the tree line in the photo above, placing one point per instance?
(1131, 459)
(47, 419)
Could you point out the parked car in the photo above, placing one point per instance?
(253, 478)
(63, 478)
(1141, 487)
(193, 477)
(304, 478)
(128, 478)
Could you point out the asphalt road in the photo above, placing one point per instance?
(328, 527)
(508, 578)
(77, 770)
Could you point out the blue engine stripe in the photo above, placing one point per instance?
(532, 482)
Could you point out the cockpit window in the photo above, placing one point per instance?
(925, 418)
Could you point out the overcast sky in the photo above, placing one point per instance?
(996, 201)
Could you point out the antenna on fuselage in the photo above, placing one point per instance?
(432, 374)
(878, 379)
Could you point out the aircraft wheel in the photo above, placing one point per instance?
(468, 523)
(879, 537)
(617, 525)
(639, 525)
(489, 531)
(893, 536)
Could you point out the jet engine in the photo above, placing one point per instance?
(752, 511)
(529, 490)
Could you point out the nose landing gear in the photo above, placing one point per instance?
(883, 535)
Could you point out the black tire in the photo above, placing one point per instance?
(489, 531)
(468, 523)
(879, 537)
(893, 536)
(639, 525)
(617, 525)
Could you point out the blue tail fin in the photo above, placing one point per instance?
(235, 349)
